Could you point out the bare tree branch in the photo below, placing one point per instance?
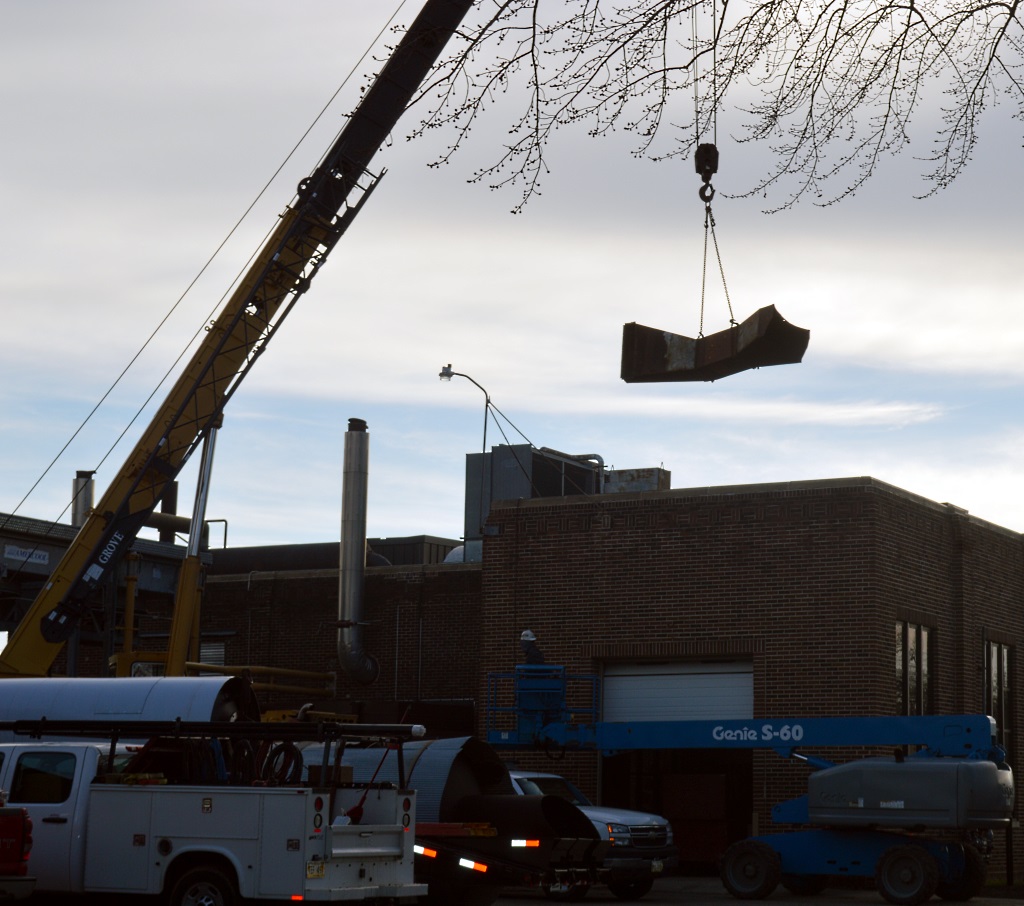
(830, 86)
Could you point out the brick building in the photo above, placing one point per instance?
(804, 599)
(821, 598)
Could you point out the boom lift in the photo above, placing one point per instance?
(916, 823)
(325, 205)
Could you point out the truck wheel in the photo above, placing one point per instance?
(203, 886)
(907, 875)
(970, 883)
(631, 890)
(751, 870)
(805, 885)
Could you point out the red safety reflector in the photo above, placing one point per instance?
(425, 851)
(318, 803)
(406, 804)
(297, 896)
(469, 863)
(525, 843)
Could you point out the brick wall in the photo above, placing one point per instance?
(421, 624)
(806, 580)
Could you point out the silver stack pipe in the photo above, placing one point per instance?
(82, 491)
(356, 663)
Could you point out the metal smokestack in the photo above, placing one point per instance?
(82, 497)
(359, 665)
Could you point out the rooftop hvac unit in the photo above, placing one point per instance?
(520, 471)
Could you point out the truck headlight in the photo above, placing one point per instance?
(618, 835)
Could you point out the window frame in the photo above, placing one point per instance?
(915, 667)
(999, 659)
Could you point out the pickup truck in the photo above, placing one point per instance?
(640, 850)
(198, 836)
(15, 846)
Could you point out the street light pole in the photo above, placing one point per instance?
(446, 374)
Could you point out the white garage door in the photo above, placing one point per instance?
(719, 690)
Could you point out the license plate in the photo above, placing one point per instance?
(314, 870)
(657, 866)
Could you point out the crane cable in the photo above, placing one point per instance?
(191, 284)
(706, 156)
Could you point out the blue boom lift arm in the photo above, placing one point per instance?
(918, 823)
(542, 717)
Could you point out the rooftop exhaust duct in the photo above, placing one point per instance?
(356, 663)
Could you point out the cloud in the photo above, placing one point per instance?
(118, 188)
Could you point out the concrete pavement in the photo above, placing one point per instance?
(710, 892)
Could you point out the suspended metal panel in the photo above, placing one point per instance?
(765, 338)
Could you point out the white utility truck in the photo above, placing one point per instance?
(207, 813)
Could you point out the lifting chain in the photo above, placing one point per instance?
(706, 163)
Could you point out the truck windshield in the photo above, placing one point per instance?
(552, 786)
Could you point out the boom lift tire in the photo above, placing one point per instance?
(970, 883)
(203, 886)
(631, 890)
(907, 875)
(805, 885)
(751, 870)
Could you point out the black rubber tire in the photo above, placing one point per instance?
(805, 885)
(203, 886)
(970, 883)
(631, 890)
(573, 895)
(907, 875)
(751, 870)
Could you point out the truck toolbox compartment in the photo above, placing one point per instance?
(363, 841)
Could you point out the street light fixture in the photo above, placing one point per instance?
(446, 374)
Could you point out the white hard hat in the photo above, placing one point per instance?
(528, 636)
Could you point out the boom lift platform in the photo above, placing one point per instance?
(919, 823)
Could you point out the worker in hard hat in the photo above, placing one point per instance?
(531, 653)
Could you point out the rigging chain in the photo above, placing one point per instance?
(706, 162)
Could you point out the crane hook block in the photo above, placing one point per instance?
(705, 161)
(765, 338)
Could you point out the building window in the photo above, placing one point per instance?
(211, 653)
(998, 699)
(914, 668)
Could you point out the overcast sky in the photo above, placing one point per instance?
(136, 134)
